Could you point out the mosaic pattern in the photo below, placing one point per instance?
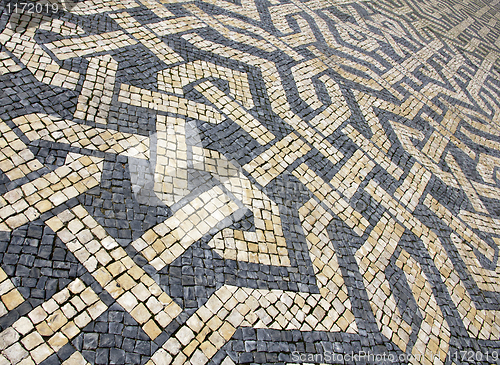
(223, 182)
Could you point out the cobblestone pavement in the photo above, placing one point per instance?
(250, 181)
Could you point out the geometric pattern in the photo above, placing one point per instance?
(282, 181)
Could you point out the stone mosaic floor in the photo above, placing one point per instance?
(268, 181)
